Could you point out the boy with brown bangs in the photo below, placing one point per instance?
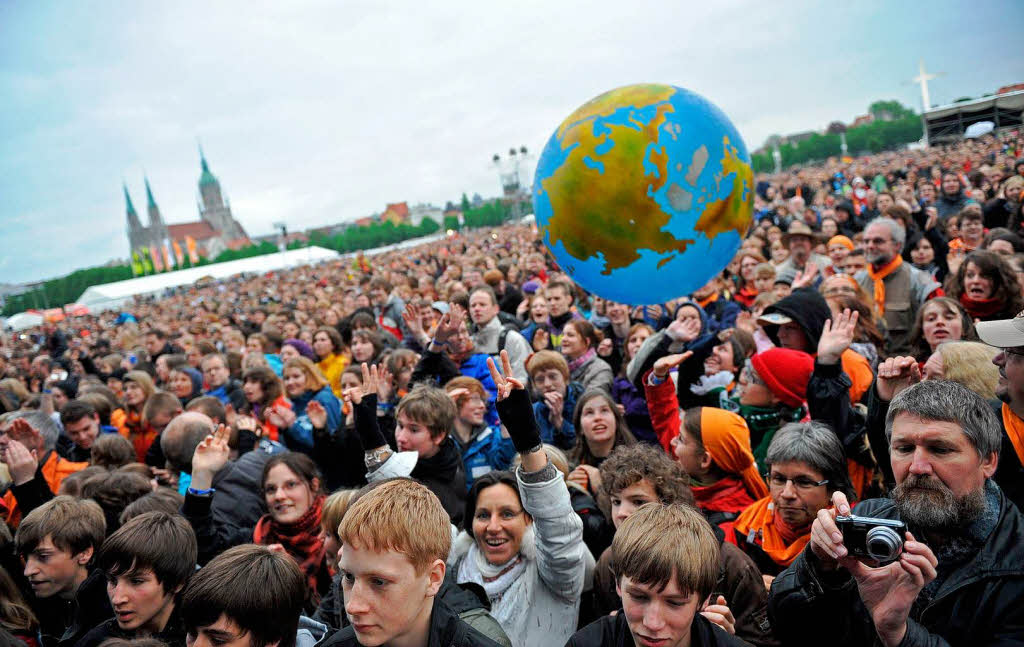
(394, 542)
(634, 475)
(58, 541)
(665, 559)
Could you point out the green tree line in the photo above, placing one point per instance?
(894, 126)
(68, 289)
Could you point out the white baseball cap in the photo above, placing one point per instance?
(1005, 333)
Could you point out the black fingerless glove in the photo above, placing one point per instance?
(365, 414)
(516, 413)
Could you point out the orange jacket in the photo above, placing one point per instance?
(55, 469)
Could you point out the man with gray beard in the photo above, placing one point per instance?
(959, 579)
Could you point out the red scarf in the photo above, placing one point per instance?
(981, 308)
(302, 540)
(745, 296)
(727, 495)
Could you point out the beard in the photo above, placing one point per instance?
(878, 259)
(926, 503)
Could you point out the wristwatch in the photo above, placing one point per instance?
(374, 458)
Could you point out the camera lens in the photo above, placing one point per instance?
(883, 544)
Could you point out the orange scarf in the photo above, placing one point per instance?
(726, 437)
(879, 279)
(780, 542)
(1014, 427)
(704, 303)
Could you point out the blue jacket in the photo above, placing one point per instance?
(487, 450)
(300, 435)
(476, 366)
(564, 438)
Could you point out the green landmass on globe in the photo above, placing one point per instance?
(645, 167)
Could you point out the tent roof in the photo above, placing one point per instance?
(110, 295)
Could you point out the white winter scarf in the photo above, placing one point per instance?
(495, 579)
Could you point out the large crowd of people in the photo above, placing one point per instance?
(455, 444)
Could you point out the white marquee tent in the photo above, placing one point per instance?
(111, 295)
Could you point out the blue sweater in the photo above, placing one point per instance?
(299, 436)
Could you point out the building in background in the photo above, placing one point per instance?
(215, 231)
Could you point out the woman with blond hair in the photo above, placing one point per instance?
(966, 362)
(138, 387)
(314, 406)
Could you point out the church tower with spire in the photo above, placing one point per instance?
(157, 228)
(138, 236)
(214, 210)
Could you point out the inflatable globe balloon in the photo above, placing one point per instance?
(644, 193)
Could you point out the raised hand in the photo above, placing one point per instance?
(317, 414)
(587, 477)
(248, 423)
(837, 336)
(896, 374)
(281, 417)
(385, 384)
(667, 363)
(889, 592)
(746, 321)
(685, 331)
(805, 278)
(371, 376)
(21, 462)
(411, 317)
(505, 384)
(541, 340)
(455, 394)
(210, 457)
(230, 415)
(448, 327)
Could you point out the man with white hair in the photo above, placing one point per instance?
(27, 442)
(899, 289)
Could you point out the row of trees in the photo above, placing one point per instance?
(894, 125)
(67, 289)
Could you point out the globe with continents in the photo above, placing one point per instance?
(644, 193)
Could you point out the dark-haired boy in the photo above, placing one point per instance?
(146, 563)
(248, 596)
(58, 541)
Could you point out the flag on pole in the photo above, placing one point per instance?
(178, 255)
(147, 263)
(190, 244)
(158, 264)
(167, 257)
(137, 268)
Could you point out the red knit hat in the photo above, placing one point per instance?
(785, 372)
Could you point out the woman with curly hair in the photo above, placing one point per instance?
(987, 287)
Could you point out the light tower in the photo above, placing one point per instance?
(510, 172)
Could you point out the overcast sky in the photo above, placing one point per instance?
(314, 113)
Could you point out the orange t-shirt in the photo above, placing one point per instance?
(55, 470)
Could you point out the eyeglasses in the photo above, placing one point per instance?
(1017, 350)
(801, 482)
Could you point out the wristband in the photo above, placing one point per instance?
(206, 492)
(385, 406)
(438, 343)
(654, 380)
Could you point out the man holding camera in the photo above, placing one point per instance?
(957, 578)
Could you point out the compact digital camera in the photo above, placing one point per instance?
(878, 539)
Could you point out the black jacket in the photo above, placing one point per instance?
(445, 475)
(446, 630)
(63, 622)
(613, 631)
(173, 634)
(980, 603)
